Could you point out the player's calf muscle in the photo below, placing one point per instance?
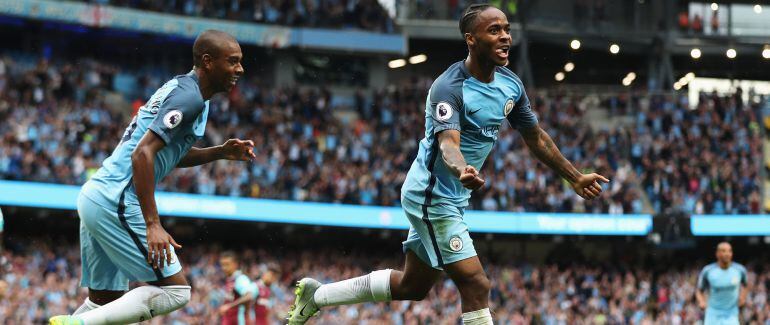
(412, 286)
(402, 290)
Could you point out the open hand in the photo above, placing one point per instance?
(159, 244)
(236, 149)
(587, 185)
(470, 178)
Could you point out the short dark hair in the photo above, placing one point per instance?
(724, 242)
(230, 254)
(209, 42)
(470, 14)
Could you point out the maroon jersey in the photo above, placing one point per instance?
(262, 305)
(236, 286)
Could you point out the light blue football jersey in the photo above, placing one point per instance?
(242, 286)
(458, 101)
(177, 113)
(723, 286)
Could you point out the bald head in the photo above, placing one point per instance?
(211, 42)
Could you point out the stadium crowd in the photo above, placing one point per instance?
(359, 14)
(675, 150)
(36, 283)
(309, 150)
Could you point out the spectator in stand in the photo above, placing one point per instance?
(714, 22)
(360, 14)
(64, 128)
(697, 24)
(311, 155)
(724, 129)
(42, 280)
(684, 21)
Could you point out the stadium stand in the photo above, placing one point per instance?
(67, 102)
(720, 128)
(309, 153)
(41, 279)
(365, 14)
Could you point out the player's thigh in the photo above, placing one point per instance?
(177, 279)
(414, 244)
(443, 233)
(418, 276)
(418, 240)
(134, 254)
(124, 238)
(98, 271)
(102, 297)
(468, 272)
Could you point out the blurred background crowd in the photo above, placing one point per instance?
(359, 152)
(40, 279)
(347, 14)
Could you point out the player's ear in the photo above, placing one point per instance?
(469, 40)
(206, 59)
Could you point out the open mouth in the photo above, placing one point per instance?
(233, 80)
(502, 52)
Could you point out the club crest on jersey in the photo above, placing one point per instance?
(508, 106)
(155, 107)
(734, 280)
(172, 119)
(443, 111)
(455, 244)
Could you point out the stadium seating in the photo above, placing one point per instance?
(366, 14)
(44, 281)
(65, 127)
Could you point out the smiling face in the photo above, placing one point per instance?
(226, 66)
(219, 56)
(490, 38)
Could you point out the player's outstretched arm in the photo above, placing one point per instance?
(542, 146)
(449, 144)
(233, 149)
(143, 164)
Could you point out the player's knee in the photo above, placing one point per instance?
(177, 296)
(103, 297)
(417, 294)
(477, 283)
(407, 291)
(483, 284)
(163, 300)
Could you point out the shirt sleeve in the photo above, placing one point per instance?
(446, 103)
(243, 285)
(703, 281)
(254, 290)
(522, 116)
(177, 111)
(744, 277)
